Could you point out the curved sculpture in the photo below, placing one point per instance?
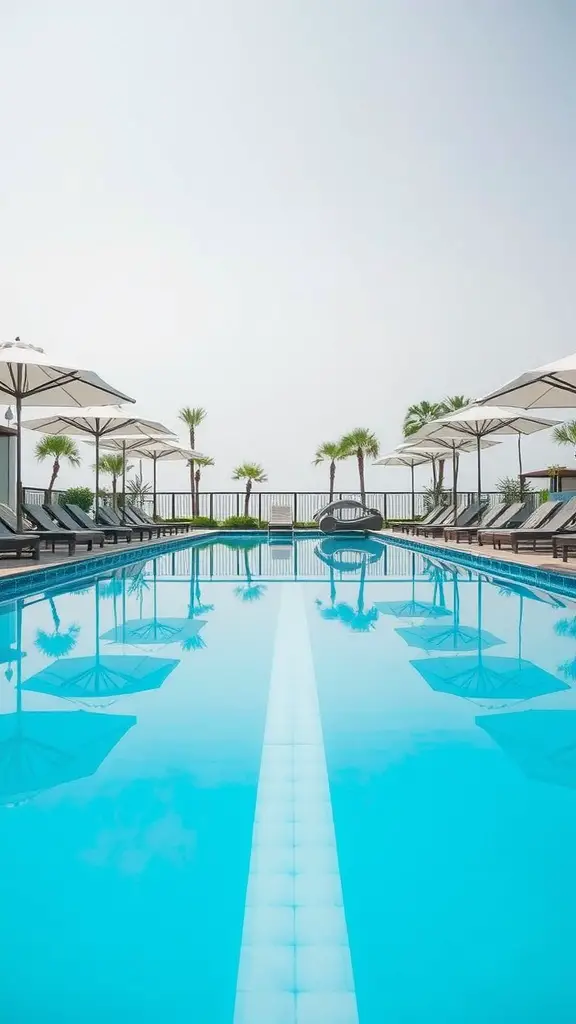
(365, 518)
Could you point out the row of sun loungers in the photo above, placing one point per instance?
(70, 526)
(551, 526)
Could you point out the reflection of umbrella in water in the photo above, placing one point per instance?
(413, 609)
(543, 743)
(331, 549)
(100, 676)
(43, 749)
(453, 637)
(477, 677)
(156, 630)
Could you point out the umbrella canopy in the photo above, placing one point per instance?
(453, 637)
(543, 743)
(154, 448)
(454, 446)
(29, 377)
(480, 421)
(481, 678)
(43, 749)
(414, 609)
(95, 423)
(101, 676)
(408, 457)
(552, 386)
(154, 631)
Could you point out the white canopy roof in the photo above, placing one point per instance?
(552, 386)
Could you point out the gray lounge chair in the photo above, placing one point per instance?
(141, 517)
(82, 519)
(281, 520)
(564, 515)
(16, 543)
(110, 517)
(498, 516)
(448, 518)
(534, 521)
(50, 537)
(406, 524)
(45, 524)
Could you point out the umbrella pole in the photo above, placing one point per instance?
(97, 439)
(123, 474)
(19, 451)
(520, 464)
(454, 476)
(479, 464)
(154, 461)
(19, 659)
(412, 475)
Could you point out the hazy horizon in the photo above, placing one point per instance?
(302, 216)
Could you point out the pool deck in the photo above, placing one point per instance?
(10, 567)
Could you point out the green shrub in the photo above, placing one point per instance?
(205, 521)
(242, 523)
(81, 496)
(311, 525)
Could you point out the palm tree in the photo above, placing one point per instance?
(455, 402)
(417, 416)
(57, 448)
(113, 465)
(200, 464)
(252, 473)
(363, 444)
(330, 452)
(565, 433)
(192, 417)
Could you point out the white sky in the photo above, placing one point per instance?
(300, 214)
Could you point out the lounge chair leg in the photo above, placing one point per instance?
(565, 555)
(36, 552)
(89, 545)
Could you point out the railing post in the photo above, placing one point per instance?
(259, 506)
(295, 506)
(211, 506)
(385, 512)
(173, 504)
(237, 503)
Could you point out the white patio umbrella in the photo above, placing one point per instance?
(412, 458)
(154, 448)
(95, 423)
(552, 386)
(480, 421)
(455, 445)
(29, 377)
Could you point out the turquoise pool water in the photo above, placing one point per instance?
(325, 782)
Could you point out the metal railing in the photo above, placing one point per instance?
(221, 505)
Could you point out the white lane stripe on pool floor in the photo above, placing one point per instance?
(295, 965)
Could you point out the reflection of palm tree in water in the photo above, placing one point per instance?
(57, 644)
(359, 619)
(195, 605)
(249, 591)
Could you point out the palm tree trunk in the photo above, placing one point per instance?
(113, 492)
(360, 457)
(55, 616)
(55, 471)
(332, 478)
(247, 498)
(192, 469)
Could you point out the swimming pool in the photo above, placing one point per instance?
(313, 782)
